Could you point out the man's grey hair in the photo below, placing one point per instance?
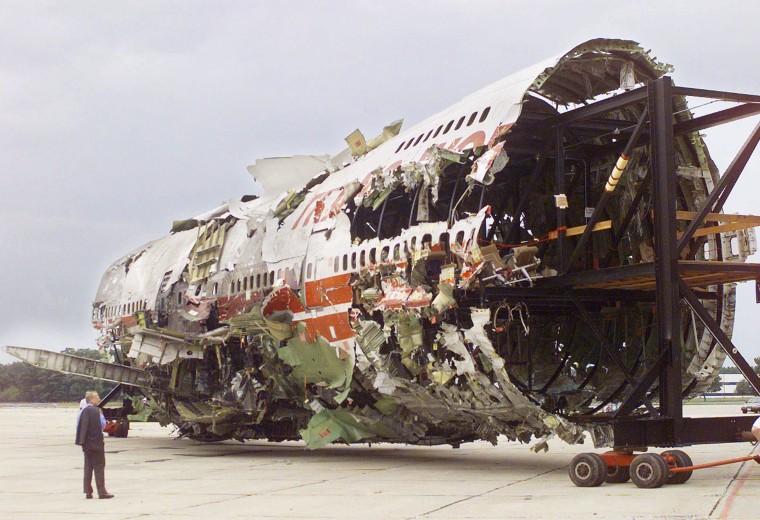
(90, 395)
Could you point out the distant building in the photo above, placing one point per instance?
(728, 383)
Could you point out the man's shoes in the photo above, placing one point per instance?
(105, 495)
(88, 495)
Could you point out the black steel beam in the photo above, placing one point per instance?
(716, 94)
(660, 100)
(610, 351)
(600, 108)
(110, 395)
(639, 392)
(719, 194)
(642, 432)
(717, 118)
(559, 188)
(610, 274)
(720, 336)
(601, 205)
(545, 294)
(536, 123)
(618, 235)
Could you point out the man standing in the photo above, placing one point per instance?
(90, 438)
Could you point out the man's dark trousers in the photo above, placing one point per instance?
(90, 438)
(95, 461)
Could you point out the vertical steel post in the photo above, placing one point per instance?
(660, 99)
(559, 181)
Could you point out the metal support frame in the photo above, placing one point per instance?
(606, 195)
(559, 186)
(720, 336)
(717, 198)
(666, 426)
(610, 351)
(669, 337)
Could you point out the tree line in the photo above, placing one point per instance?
(23, 383)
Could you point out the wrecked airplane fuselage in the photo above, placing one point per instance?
(398, 293)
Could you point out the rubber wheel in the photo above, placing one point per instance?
(617, 474)
(682, 460)
(122, 428)
(588, 470)
(649, 470)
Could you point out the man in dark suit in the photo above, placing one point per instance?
(90, 437)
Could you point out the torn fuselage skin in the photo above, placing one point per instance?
(382, 301)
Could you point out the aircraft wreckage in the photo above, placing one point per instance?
(548, 256)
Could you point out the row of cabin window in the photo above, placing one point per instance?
(246, 283)
(127, 308)
(341, 263)
(470, 121)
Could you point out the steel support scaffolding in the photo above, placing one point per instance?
(674, 274)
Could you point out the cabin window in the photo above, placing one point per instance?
(448, 127)
(245, 283)
(459, 123)
(437, 131)
(428, 135)
(400, 146)
(238, 285)
(484, 115)
(179, 298)
(336, 264)
(271, 277)
(353, 260)
(309, 268)
(418, 139)
(472, 118)
(385, 253)
(372, 256)
(460, 238)
(397, 252)
(409, 143)
(362, 258)
(232, 287)
(413, 244)
(345, 262)
(214, 289)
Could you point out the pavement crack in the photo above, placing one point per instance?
(489, 491)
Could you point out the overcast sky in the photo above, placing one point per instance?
(118, 117)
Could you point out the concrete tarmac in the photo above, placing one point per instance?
(154, 475)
